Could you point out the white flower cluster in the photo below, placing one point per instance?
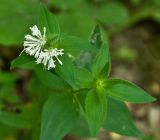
(33, 46)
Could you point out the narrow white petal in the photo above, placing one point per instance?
(44, 32)
(26, 44)
(60, 62)
(51, 64)
(38, 52)
(30, 38)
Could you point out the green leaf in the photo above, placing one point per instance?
(7, 131)
(156, 2)
(96, 38)
(59, 116)
(65, 4)
(23, 61)
(125, 91)
(21, 120)
(113, 13)
(49, 79)
(74, 17)
(96, 107)
(119, 119)
(82, 77)
(76, 77)
(66, 71)
(16, 20)
(74, 45)
(48, 20)
(136, 2)
(8, 77)
(81, 128)
(7, 93)
(101, 61)
(38, 95)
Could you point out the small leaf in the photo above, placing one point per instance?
(96, 107)
(48, 20)
(23, 61)
(119, 119)
(125, 91)
(101, 61)
(59, 115)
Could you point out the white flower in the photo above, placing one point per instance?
(34, 46)
(55, 53)
(34, 42)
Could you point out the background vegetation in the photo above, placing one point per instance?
(133, 27)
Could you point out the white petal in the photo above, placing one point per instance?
(37, 53)
(36, 31)
(46, 58)
(39, 59)
(44, 32)
(51, 64)
(30, 38)
(33, 51)
(60, 62)
(26, 44)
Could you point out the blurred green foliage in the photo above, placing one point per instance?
(16, 17)
(80, 16)
(76, 17)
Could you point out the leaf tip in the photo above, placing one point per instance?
(153, 99)
(150, 99)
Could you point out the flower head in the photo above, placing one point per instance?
(34, 46)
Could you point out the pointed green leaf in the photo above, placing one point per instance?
(48, 20)
(125, 91)
(59, 116)
(119, 119)
(96, 107)
(23, 61)
(101, 61)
